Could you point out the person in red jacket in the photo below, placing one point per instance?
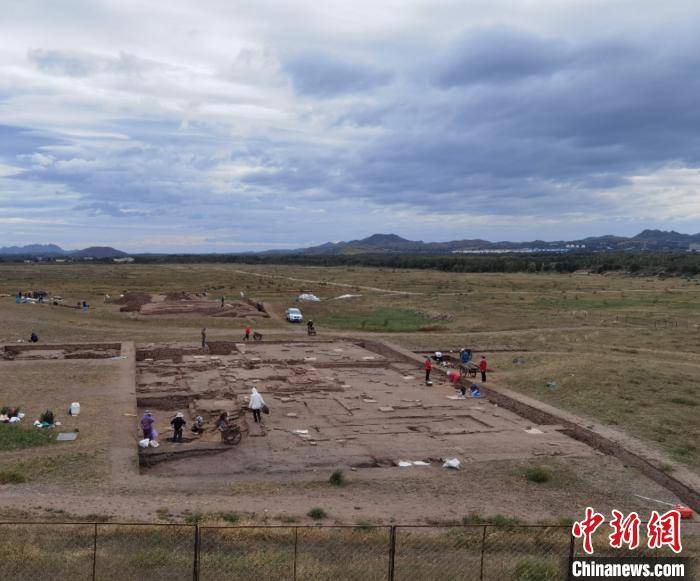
(246, 337)
(428, 366)
(482, 367)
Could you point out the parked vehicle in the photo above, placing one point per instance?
(293, 315)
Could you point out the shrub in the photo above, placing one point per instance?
(317, 513)
(538, 474)
(337, 478)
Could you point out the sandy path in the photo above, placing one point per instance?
(338, 284)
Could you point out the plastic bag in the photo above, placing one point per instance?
(451, 463)
(144, 443)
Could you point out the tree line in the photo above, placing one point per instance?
(655, 263)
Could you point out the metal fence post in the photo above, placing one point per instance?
(571, 555)
(94, 553)
(195, 563)
(296, 543)
(483, 545)
(392, 551)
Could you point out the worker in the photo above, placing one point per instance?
(34, 337)
(246, 337)
(428, 366)
(483, 366)
(256, 404)
(438, 357)
(222, 302)
(473, 390)
(148, 425)
(198, 425)
(310, 329)
(178, 422)
(204, 338)
(222, 422)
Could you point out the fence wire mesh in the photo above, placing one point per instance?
(108, 551)
(42, 551)
(524, 553)
(438, 553)
(357, 553)
(246, 553)
(126, 552)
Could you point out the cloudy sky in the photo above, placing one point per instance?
(219, 125)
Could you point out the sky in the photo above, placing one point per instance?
(218, 126)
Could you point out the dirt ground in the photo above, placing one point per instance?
(607, 342)
(364, 412)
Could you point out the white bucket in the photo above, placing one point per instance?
(74, 408)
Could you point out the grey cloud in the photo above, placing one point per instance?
(85, 64)
(321, 75)
(500, 55)
(496, 121)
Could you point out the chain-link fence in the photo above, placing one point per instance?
(107, 551)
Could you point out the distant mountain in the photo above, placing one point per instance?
(33, 249)
(393, 244)
(98, 252)
(52, 250)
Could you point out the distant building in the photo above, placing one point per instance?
(124, 259)
(694, 247)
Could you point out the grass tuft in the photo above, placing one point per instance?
(12, 477)
(231, 518)
(684, 401)
(538, 474)
(337, 478)
(497, 519)
(317, 513)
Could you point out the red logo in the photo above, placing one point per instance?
(625, 530)
(587, 527)
(665, 530)
(662, 530)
